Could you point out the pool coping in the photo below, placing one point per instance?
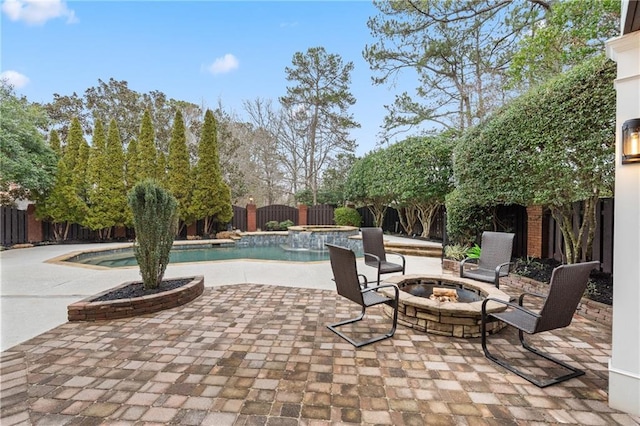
(64, 259)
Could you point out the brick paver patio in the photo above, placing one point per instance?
(261, 355)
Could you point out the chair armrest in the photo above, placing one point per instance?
(510, 304)
(468, 259)
(502, 265)
(528, 293)
(365, 282)
(378, 287)
(376, 258)
(397, 254)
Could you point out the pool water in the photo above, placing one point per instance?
(207, 253)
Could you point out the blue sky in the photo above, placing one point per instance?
(197, 51)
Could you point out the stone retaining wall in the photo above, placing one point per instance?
(590, 309)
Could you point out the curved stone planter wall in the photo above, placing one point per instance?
(86, 310)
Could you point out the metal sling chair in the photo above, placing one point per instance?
(347, 279)
(494, 261)
(375, 254)
(568, 283)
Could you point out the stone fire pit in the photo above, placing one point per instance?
(456, 319)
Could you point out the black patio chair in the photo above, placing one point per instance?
(495, 258)
(348, 284)
(567, 285)
(375, 254)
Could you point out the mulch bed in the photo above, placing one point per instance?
(599, 289)
(137, 290)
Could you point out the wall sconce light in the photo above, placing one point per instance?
(631, 141)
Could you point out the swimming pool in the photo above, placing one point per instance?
(202, 253)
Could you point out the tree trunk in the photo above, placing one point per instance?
(407, 216)
(378, 212)
(575, 250)
(425, 214)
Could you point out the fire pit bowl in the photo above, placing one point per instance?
(456, 319)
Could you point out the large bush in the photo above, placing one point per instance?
(155, 222)
(347, 216)
(552, 146)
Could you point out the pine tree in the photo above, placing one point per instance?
(211, 196)
(178, 168)
(97, 217)
(147, 159)
(161, 169)
(65, 204)
(114, 178)
(54, 142)
(131, 165)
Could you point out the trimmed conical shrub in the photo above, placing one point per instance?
(155, 221)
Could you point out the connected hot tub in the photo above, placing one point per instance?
(457, 319)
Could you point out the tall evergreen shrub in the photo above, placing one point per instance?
(155, 221)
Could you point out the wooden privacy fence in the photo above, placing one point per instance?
(13, 226)
(275, 212)
(239, 220)
(322, 214)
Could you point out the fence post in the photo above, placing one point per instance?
(34, 226)
(534, 231)
(251, 218)
(303, 214)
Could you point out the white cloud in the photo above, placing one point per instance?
(224, 65)
(37, 12)
(14, 78)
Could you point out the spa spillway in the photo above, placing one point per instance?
(456, 319)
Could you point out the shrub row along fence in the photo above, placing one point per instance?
(14, 226)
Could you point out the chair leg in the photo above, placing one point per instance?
(574, 372)
(333, 327)
(540, 383)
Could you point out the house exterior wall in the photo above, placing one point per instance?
(624, 365)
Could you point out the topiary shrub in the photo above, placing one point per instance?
(155, 222)
(347, 216)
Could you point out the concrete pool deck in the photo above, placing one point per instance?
(34, 294)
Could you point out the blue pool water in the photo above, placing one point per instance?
(206, 253)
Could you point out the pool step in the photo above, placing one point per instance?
(409, 249)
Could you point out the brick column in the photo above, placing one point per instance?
(534, 231)
(34, 226)
(303, 215)
(191, 229)
(251, 218)
(120, 232)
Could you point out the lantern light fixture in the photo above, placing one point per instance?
(631, 141)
